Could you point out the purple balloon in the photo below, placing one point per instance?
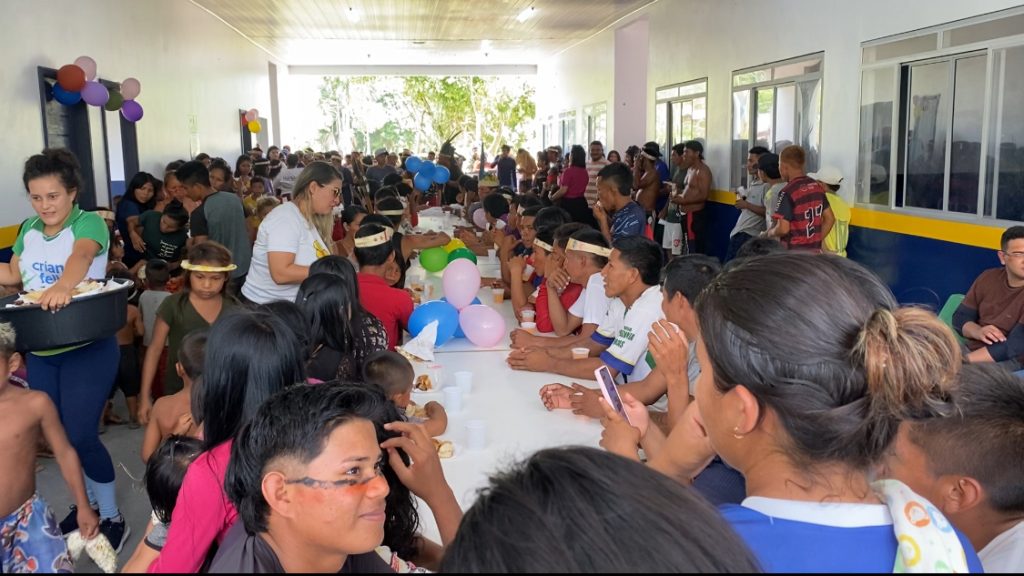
(482, 325)
(480, 218)
(461, 282)
(95, 94)
(131, 110)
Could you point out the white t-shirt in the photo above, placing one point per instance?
(1005, 553)
(283, 230)
(624, 331)
(592, 305)
(149, 303)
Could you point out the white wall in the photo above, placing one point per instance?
(187, 61)
(691, 39)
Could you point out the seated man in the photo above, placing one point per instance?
(616, 213)
(620, 342)
(672, 356)
(509, 247)
(305, 476)
(392, 306)
(970, 464)
(991, 317)
(547, 261)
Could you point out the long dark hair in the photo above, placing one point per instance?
(543, 516)
(209, 253)
(578, 156)
(330, 304)
(138, 181)
(821, 341)
(250, 355)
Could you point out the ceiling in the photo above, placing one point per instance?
(418, 32)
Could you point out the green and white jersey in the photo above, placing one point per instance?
(41, 258)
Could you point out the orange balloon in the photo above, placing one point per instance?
(255, 127)
(71, 78)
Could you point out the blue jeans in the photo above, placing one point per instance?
(78, 382)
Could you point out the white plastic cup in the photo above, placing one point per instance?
(580, 353)
(528, 315)
(492, 254)
(530, 327)
(452, 399)
(464, 381)
(476, 435)
(436, 372)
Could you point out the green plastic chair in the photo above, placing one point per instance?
(946, 314)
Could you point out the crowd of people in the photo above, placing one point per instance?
(781, 411)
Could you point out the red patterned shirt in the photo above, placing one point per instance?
(802, 203)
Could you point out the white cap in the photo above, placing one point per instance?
(829, 175)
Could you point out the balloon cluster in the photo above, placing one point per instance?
(427, 173)
(77, 82)
(251, 120)
(459, 313)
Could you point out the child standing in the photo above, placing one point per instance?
(127, 377)
(158, 274)
(172, 415)
(202, 300)
(30, 539)
(392, 372)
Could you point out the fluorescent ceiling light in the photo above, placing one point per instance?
(353, 16)
(527, 14)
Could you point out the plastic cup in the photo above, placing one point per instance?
(436, 371)
(580, 353)
(530, 327)
(452, 399)
(499, 295)
(528, 315)
(492, 254)
(464, 381)
(476, 435)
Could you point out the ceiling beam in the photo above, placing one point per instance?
(417, 70)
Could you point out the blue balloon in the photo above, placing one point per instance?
(64, 97)
(447, 320)
(413, 163)
(458, 331)
(441, 174)
(427, 169)
(422, 182)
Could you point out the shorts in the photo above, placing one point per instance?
(128, 373)
(672, 237)
(31, 542)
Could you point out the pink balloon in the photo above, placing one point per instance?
(480, 218)
(88, 65)
(461, 282)
(482, 325)
(130, 88)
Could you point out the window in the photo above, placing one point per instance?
(943, 130)
(596, 118)
(549, 135)
(775, 106)
(567, 130)
(681, 113)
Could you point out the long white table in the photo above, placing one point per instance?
(508, 401)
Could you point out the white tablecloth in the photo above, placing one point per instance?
(508, 401)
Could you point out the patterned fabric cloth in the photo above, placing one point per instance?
(31, 542)
(927, 540)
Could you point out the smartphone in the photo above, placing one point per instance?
(610, 391)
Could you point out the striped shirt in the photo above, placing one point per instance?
(592, 169)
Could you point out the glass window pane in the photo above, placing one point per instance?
(874, 155)
(808, 94)
(1008, 175)
(666, 93)
(695, 88)
(752, 77)
(785, 117)
(1008, 26)
(798, 68)
(676, 135)
(686, 121)
(905, 47)
(601, 128)
(740, 136)
(700, 115)
(926, 135)
(661, 124)
(765, 135)
(965, 155)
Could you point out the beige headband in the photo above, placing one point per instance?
(204, 268)
(375, 240)
(542, 244)
(650, 157)
(391, 212)
(577, 246)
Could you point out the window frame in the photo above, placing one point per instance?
(677, 97)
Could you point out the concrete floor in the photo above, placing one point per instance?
(124, 445)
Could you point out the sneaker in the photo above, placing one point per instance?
(70, 522)
(116, 531)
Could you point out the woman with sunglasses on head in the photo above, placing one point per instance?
(292, 236)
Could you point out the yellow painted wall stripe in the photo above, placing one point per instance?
(943, 230)
(8, 234)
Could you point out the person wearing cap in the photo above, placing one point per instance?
(381, 168)
(750, 203)
(375, 251)
(694, 195)
(802, 217)
(835, 241)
